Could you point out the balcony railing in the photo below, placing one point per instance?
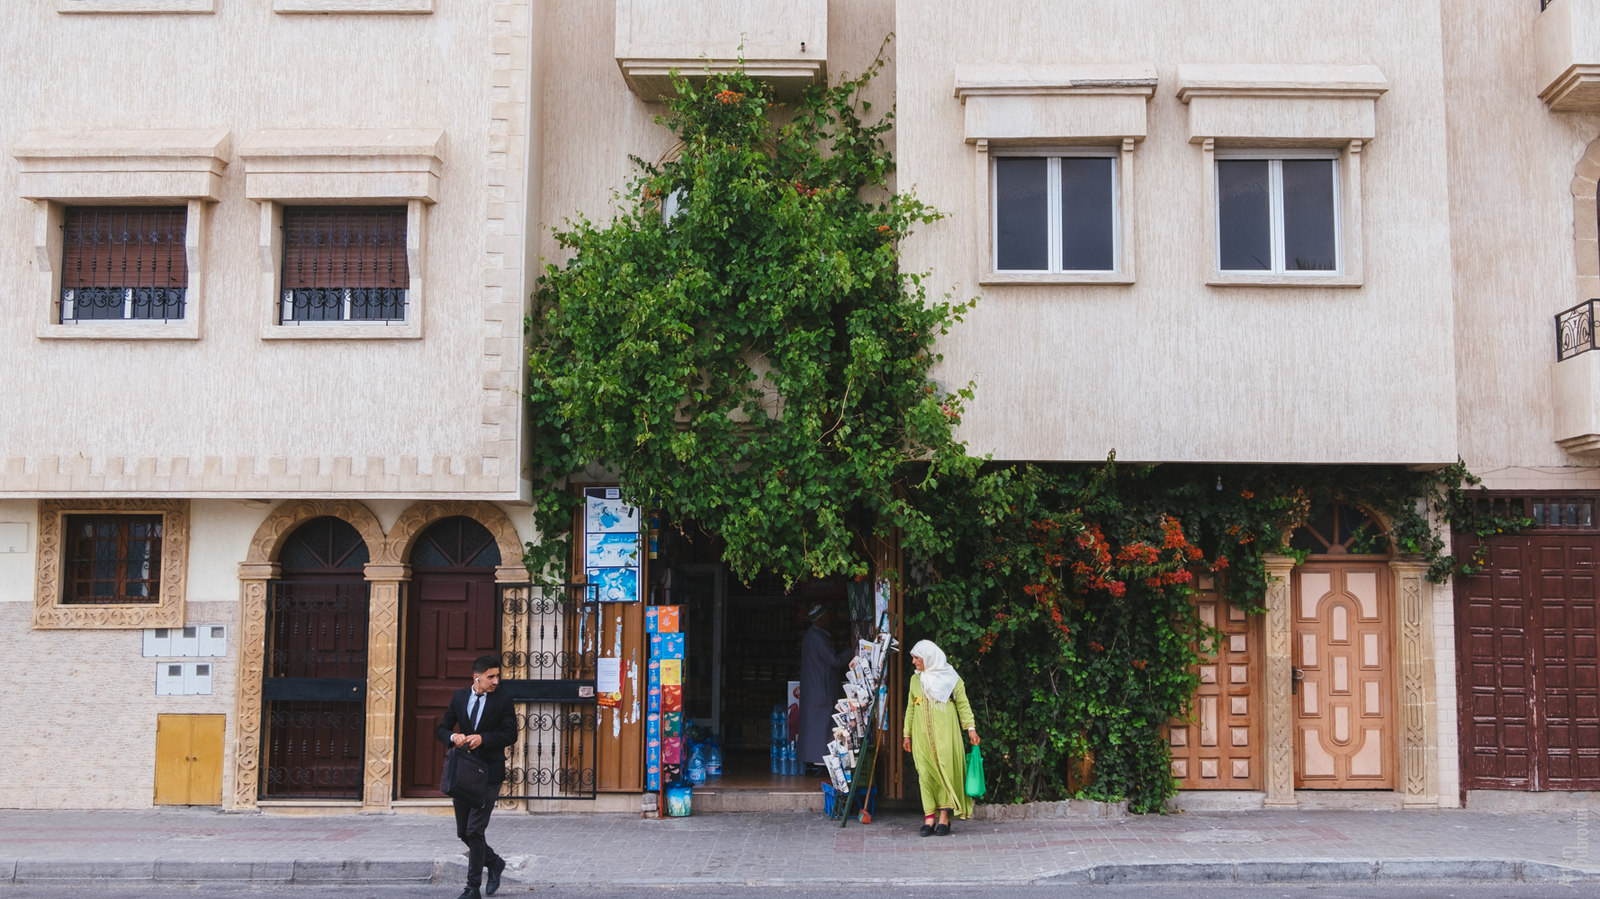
(1575, 330)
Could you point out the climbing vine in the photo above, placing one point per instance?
(751, 358)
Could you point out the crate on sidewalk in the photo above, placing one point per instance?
(830, 796)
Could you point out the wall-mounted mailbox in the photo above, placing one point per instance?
(183, 678)
(197, 640)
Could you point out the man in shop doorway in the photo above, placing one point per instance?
(821, 677)
(488, 724)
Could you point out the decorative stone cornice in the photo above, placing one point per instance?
(49, 612)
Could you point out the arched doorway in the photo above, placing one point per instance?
(450, 621)
(1343, 623)
(314, 688)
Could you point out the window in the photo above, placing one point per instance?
(344, 264)
(123, 262)
(1278, 214)
(112, 559)
(1056, 214)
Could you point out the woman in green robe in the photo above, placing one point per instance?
(936, 713)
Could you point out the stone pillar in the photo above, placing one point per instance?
(384, 580)
(253, 579)
(1279, 709)
(1419, 725)
(516, 593)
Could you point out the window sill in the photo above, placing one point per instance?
(185, 329)
(413, 7)
(1269, 279)
(1055, 278)
(407, 331)
(204, 7)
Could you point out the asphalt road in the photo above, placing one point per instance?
(511, 891)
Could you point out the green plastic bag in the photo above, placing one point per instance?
(975, 784)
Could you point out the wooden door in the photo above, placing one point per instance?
(1217, 745)
(1344, 703)
(189, 759)
(1528, 671)
(450, 621)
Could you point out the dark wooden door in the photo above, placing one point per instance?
(1528, 667)
(450, 620)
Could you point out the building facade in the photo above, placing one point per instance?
(1320, 233)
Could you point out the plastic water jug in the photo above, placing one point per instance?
(776, 769)
(695, 770)
(714, 761)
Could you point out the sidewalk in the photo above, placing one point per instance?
(798, 848)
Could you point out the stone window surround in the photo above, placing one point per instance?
(1267, 107)
(1064, 108)
(204, 7)
(385, 573)
(108, 168)
(342, 167)
(49, 613)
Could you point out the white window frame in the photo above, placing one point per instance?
(1275, 159)
(1053, 157)
(1122, 214)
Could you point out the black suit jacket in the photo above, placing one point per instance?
(497, 725)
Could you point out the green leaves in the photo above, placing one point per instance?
(757, 363)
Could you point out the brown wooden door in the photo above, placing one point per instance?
(1344, 705)
(450, 621)
(1528, 669)
(1217, 746)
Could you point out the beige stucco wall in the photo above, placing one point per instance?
(1168, 368)
(231, 413)
(1512, 163)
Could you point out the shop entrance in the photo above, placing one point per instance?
(742, 659)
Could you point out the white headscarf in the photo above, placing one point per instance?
(938, 678)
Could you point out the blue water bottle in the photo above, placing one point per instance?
(774, 755)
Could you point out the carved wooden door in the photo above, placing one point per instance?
(1529, 672)
(1344, 702)
(1217, 746)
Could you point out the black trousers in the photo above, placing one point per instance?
(471, 823)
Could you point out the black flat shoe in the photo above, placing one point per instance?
(469, 893)
(495, 868)
(927, 830)
(941, 830)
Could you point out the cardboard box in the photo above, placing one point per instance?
(666, 646)
(671, 725)
(653, 700)
(671, 750)
(652, 726)
(671, 672)
(666, 619)
(651, 619)
(672, 699)
(652, 670)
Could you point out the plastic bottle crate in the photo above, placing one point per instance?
(830, 796)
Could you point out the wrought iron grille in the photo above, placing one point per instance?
(314, 691)
(1575, 330)
(123, 262)
(548, 664)
(113, 559)
(1565, 511)
(344, 264)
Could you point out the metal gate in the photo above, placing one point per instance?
(315, 689)
(548, 665)
(1529, 650)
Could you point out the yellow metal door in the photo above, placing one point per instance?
(189, 759)
(205, 759)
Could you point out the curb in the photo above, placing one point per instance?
(447, 870)
(1328, 871)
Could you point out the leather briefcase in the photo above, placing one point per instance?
(465, 778)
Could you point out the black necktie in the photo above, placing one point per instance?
(477, 707)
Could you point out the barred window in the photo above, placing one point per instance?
(123, 262)
(343, 264)
(113, 559)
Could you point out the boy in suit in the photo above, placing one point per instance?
(488, 724)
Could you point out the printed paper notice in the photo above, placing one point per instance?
(608, 679)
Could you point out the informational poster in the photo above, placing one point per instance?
(616, 584)
(611, 544)
(608, 682)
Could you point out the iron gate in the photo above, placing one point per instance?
(315, 689)
(548, 665)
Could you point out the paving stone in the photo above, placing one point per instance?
(196, 871)
(28, 870)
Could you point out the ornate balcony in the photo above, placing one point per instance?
(785, 44)
(1575, 379)
(1566, 40)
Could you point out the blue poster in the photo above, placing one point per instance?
(616, 584)
(611, 551)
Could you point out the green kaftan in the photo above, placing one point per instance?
(939, 748)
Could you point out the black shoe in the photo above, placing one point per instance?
(495, 868)
(471, 892)
(941, 830)
(927, 830)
